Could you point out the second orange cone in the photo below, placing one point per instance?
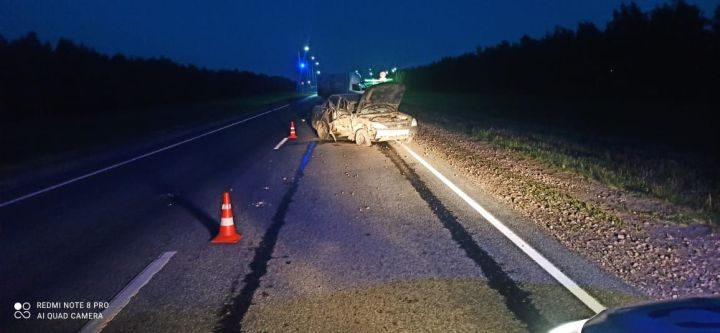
(292, 130)
(227, 233)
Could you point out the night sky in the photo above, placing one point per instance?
(265, 36)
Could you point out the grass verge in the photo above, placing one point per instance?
(680, 177)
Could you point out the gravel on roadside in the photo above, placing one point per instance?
(628, 234)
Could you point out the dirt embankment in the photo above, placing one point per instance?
(628, 234)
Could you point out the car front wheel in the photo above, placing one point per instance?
(362, 138)
(322, 131)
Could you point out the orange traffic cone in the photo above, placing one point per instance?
(292, 130)
(227, 233)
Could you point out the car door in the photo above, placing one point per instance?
(326, 112)
(342, 122)
(330, 113)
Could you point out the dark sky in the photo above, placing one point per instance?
(265, 36)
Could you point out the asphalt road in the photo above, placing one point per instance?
(337, 238)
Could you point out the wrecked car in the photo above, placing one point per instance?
(367, 118)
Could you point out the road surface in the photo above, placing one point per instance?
(337, 238)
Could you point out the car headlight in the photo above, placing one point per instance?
(414, 122)
(379, 126)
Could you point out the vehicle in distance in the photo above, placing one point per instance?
(367, 118)
(338, 83)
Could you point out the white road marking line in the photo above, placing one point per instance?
(123, 297)
(67, 182)
(549, 267)
(280, 144)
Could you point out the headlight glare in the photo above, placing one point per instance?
(571, 327)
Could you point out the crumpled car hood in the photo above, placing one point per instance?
(386, 93)
(390, 117)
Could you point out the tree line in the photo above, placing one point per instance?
(38, 79)
(671, 53)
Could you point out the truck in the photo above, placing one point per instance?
(338, 83)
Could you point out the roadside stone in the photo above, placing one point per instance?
(609, 226)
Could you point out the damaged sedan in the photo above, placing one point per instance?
(367, 118)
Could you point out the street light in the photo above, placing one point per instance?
(312, 58)
(306, 48)
(317, 63)
(318, 72)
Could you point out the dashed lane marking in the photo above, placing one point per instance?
(123, 297)
(234, 310)
(280, 144)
